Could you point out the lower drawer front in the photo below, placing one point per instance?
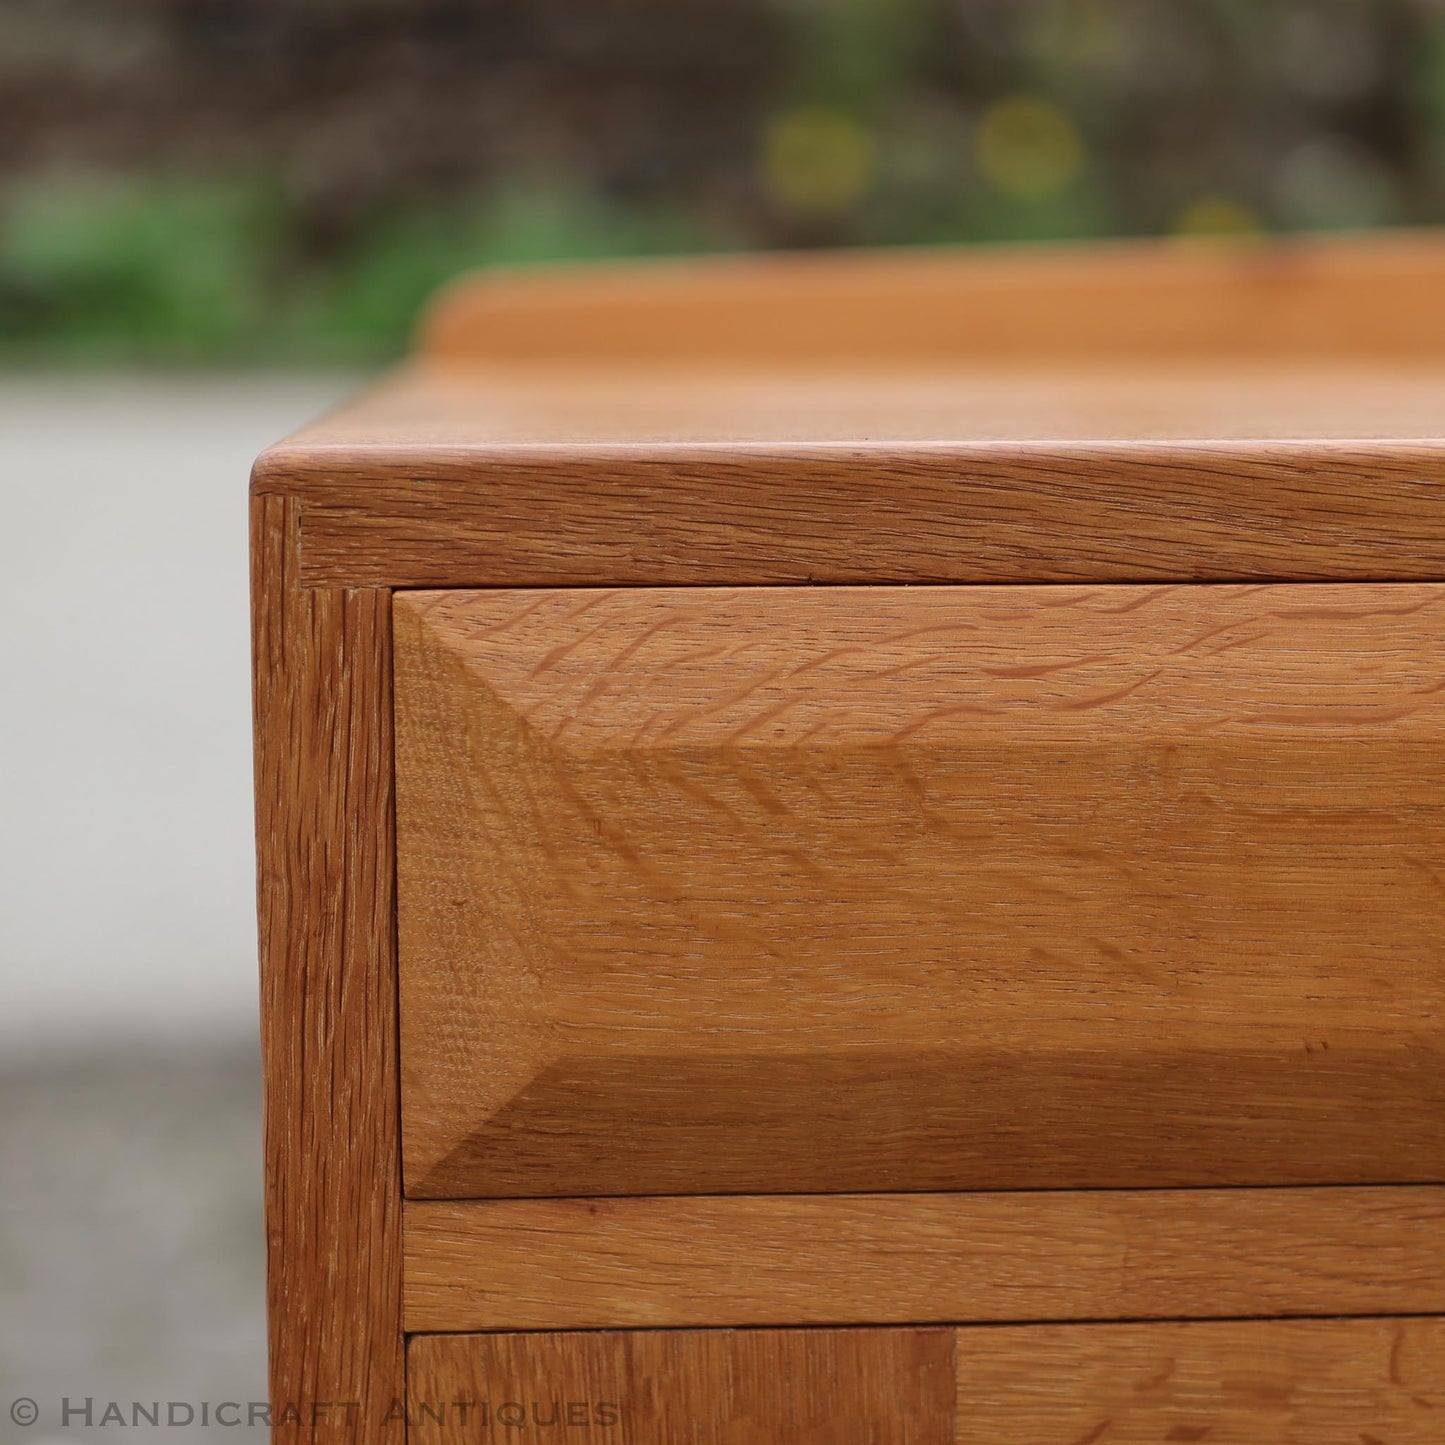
(1265, 1382)
(854, 889)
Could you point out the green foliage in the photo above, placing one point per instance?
(857, 55)
(375, 291)
(101, 265)
(136, 267)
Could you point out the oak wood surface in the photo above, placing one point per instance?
(1116, 413)
(1356, 296)
(1254, 1382)
(328, 997)
(513, 412)
(432, 515)
(1130, 415)
(766, 890)
(1277, 1382)
(686, 1387)
(556, 1264)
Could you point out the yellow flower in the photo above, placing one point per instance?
(817, 160)
(1217, 216)
(1027, 147)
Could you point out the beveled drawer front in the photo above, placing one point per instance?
(1254, 1382)
(848, 889)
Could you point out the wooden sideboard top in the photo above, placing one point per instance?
(429, 409)
(1134, 411)
(1376, 295)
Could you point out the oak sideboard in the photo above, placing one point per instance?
(852, 851)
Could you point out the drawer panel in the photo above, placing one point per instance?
(778, 1259)
(667, 1387)
(854, 889)
(1261, 1382)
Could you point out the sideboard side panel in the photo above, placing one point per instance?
(322, 673)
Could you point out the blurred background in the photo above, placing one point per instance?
(215, 216)
(272, 180)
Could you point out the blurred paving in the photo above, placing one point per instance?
(131, 1241)
(127, 909)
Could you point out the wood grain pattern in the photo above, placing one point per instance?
(417, 514)
(1319, 296)
(548, 1264)
(686, 1387)
(1133, 414)
(1277, 1382)
(1296, 1382)
(328, 997)
(866, 889)
(512, 412)
(1117, 413)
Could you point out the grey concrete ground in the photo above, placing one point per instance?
(130, 1222)
(130, 1244)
